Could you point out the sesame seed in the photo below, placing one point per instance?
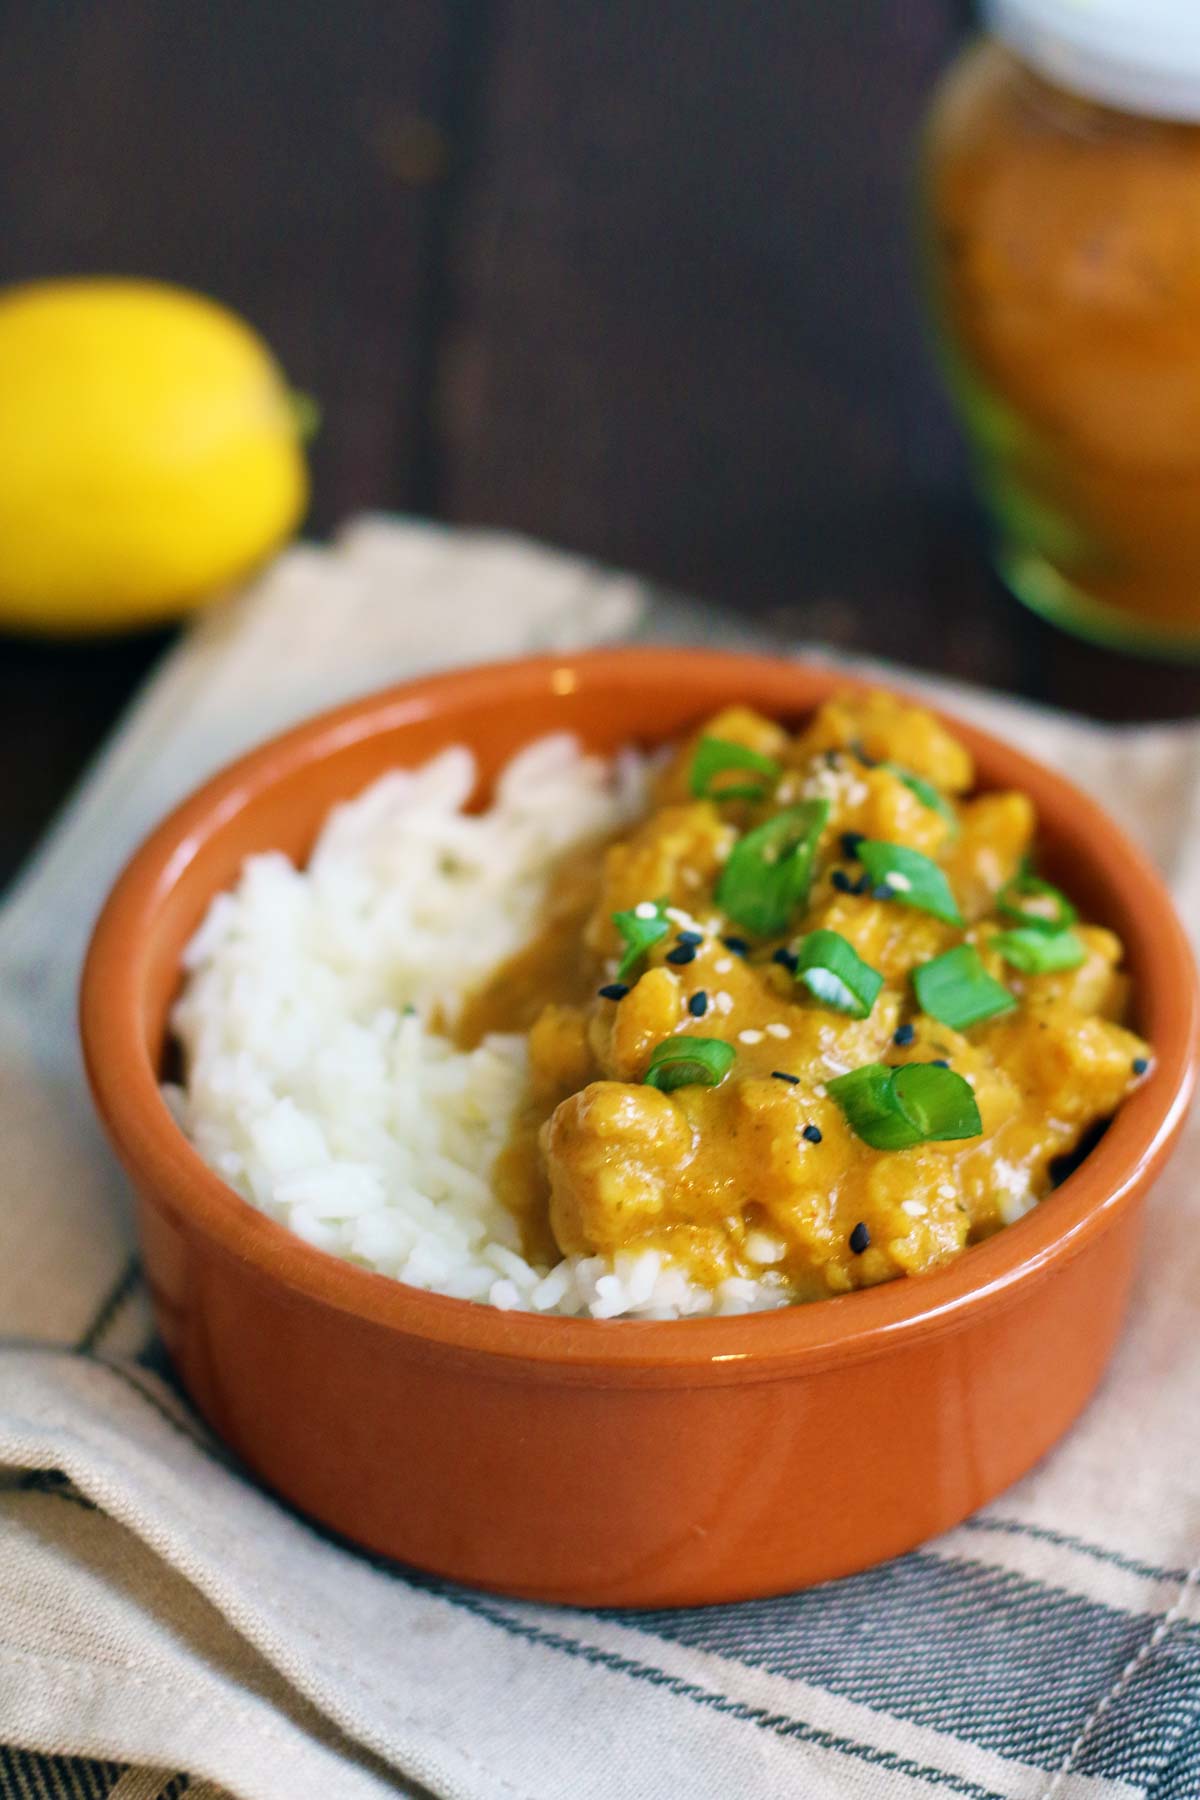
(750, 1036)
(683, 953)
(868, 762)
(690, 937)
(723, 1001)
(738, 945)
(777, 1029)
(832, 759)
(762, 1248)
(787, 959)
(782, 1075)
(1140, 1064)
(899, 882)
(813, 1133)
(613, 990)
(939, 1062)
(860, 1238)
(698, 1004)
(820, 1090)
(723, 965)
(904, 1034)
(882, 892)
(842, 881)
(862, 885)
(645, 909)
(916, 1209)
(850, 842)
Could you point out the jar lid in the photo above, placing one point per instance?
(1142, 56)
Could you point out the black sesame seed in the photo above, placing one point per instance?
(860, 1238)
(939, 1062)
(904, 1034)
(813, 1133)
(615, 990)
(698, 1004)
(787, 959)
(850, 842)
(683, 953)
(868, 762)
(832, 759)
(690, 937)
(782, 1075)
(1140, 1064)
(882, 892)
(738, 945)
(862, 885)
(842, 881)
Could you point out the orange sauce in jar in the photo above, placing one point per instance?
(1063, 250)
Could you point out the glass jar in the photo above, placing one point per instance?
(1061, 208)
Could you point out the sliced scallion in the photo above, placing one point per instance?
(716, 756)
(834, 973)
(912, 879)
(957, 989)
(688, 1062)
(926, 793)
(769, 870)
(1037, 952)
(918, 1103)
(639, 930)
(1035, 903)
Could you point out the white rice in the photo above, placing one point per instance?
(316, 1083)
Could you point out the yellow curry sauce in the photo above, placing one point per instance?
(767, 1172)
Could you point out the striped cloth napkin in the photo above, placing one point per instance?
(166, 1626)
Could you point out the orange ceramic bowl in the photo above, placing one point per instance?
(628, 1463)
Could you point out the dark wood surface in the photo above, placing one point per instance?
(635, 279)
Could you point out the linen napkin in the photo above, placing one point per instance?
(165, 1625)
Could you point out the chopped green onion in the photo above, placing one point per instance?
(914, 880)
(688, 1062)
(957, 989)
(926, 793)
(769, 871)
(715, 755)
(1040, 952)
(638, 931)
(834, 973)
(1035, 903)
(918, 1103)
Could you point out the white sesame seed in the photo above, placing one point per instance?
(683, 919)
(750, 1037)
(901, 883)
(723, 965)
(916, 1209)
(947, 1191)
(761, 1248)
(645, 909)
(820, 1090)
(723, 1001)
(775, 1029)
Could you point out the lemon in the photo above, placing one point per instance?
(149, 454)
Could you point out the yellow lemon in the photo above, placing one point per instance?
(149, 454)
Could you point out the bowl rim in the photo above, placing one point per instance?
(844, 1328)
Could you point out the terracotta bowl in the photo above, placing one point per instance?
(630, 1463)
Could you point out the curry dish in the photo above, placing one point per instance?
(815, 1019)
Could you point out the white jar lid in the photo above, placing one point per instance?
(1142, 56)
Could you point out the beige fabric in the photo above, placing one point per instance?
(156, 1608)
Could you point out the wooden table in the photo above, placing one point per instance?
(638, 280)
